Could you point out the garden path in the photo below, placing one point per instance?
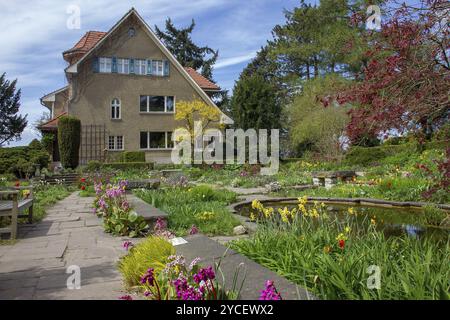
(70, 234)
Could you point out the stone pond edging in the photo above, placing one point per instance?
(251, 226)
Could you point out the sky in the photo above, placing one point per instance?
(34, 34)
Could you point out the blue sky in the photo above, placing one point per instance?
(33, 35)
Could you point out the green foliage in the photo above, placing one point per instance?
(11, 123)
(434, 216)
(314, 126)
(153, 251)
(133, 156)
(22, 161)
(69, 135)
(307, 251)
(364, 156)
(47, 195)
(187, 207)
(47, 141)
(254, 104)
(127, 165)
(124, 222)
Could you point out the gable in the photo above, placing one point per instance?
(145, 44)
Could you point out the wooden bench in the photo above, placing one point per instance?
(15, 208)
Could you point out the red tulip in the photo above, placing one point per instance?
(83, 179)
(341, 244)
(17, 184)
(83, 188)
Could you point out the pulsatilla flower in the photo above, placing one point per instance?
(270, 292)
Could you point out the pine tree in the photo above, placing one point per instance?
(180, 44)
(11, 124)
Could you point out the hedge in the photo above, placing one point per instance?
(133, 156)
(69, 135)
(96, 165)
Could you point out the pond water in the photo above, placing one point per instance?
(392, 221)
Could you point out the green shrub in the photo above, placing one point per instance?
(69, 135)
(128, 165)
(93, 165)
(362, 156)
(133, 156)
(22, 161)
(153, 252)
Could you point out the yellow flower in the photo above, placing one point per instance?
(341, 236)
(303, 200)
(315, 213)
(284, 214)
(351, 211)
(252, 217)
(257, 205)
(267, 212)
(347, 229)
(373, 221)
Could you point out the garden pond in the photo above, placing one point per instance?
(393, 221)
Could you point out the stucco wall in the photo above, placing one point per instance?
(92, 92)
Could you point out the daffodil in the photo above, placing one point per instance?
(351, 211)
(347, 229)
(252, 216)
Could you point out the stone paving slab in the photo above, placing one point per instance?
(70, 234)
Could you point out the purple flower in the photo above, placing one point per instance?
(270, 292)
(194, 230)
(147, 293)
(185, 291)
(160, 224)
(126, 297)
(194, 263)
(148, 277)
(127, 244)
(125, 205)
(204, 274)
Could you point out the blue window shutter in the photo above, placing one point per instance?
(166, 68)
(149, 67)
(95, 65)
(114, 65)
(131, 65)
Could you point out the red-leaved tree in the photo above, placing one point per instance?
(405, 84)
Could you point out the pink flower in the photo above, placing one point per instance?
(270, 292)
(126, 297)
(127, 245)
(194, 230)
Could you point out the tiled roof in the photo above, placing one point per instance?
(52, 124)
(201, 80)
(88, 41)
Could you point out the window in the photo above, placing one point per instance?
(140, 66)
(170, 104)
(157, 104)
(157, 67)
(115, 109)
(115, 143)
(105, 65)
(123, 66)
(156, 140)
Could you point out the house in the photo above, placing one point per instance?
(124, 85)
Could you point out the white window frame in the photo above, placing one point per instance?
(116, 143)
(166, 144)
(165, 105)
(158, 68)
(104, 63)
(140, 67)
(123, 66)
(116, 106)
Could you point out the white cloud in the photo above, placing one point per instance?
(226, 62)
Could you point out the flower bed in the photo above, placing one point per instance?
(118, 217)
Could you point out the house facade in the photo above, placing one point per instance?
(124, 85)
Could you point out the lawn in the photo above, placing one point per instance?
(198, 206)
